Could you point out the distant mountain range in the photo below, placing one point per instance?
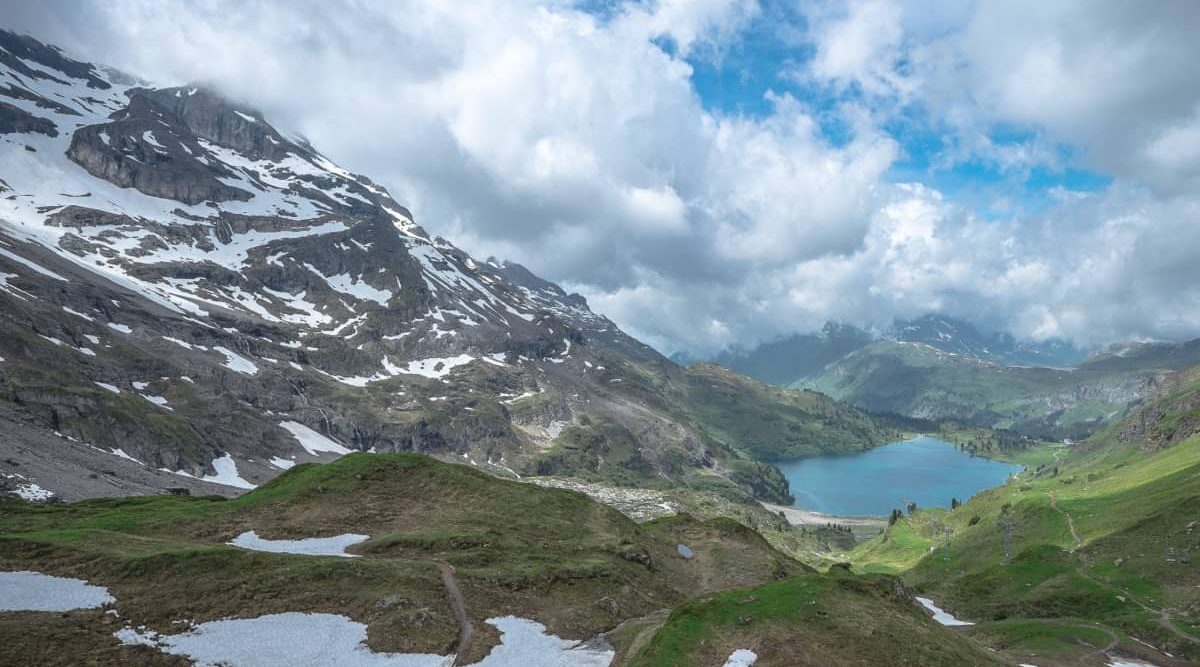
(935, 367)
(784, 360)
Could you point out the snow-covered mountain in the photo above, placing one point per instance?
(188, 295)
(963, 338)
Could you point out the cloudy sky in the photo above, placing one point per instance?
(715, 172)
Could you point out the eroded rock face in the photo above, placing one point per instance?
(1169, 417)
(210, 116)
(145, 148)
(14, 119)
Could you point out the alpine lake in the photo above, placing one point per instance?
(923, 470)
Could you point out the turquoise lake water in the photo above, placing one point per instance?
(923, 470)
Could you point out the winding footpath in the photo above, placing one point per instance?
(1070, 522)
(1164, 615)
(465, 629)
(1054, 506)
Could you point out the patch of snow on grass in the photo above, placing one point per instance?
(105, 385)
(131, 637)
(741, 658)
(309, 546)
(941, 616)
(524, 643)
(295, 638)
(227, 473)
(236, 362)
(34, 591)
(281, 640)
(311, 441)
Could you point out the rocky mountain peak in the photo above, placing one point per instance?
(213, 301)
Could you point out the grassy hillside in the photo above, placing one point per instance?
(769, 423)
(1105, 535)
(553, 555)
(837, 619)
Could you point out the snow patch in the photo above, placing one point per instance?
(295, 638)
(313, 442)
(741, 658)
(227, 473)
(282, 464)
(279, 640)
(76, 313)
(354, 286)
(309, 546)
(34, 591)
(157, 400)
(236, 362)
(32, 265)
(941, 616)
(524, 643)
(437, 367)
(118, 452)
(33, 493)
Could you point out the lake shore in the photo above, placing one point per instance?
(861, 526)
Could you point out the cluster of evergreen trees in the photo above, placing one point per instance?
(996, 441)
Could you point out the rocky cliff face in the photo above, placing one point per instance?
(189, 297)
(1168, 416)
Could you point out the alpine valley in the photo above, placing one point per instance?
(253, 413)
